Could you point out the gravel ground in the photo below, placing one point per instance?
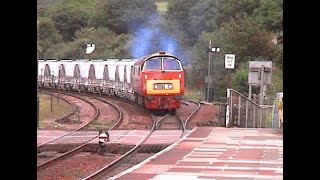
(134, 116)
(85, 163)
(136, 159)
(206, 116)
(76, 167)
(108, 115)
(84, 116)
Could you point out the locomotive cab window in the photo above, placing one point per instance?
(153, 64)
(162, 64)
(171, 64)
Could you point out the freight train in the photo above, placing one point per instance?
(156, 81)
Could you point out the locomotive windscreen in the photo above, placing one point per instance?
(157, 64)
(153, 64)
(171, 64)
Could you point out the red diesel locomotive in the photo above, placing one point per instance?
(158, 82)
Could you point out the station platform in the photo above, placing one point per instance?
(126, 137)
(216, 153)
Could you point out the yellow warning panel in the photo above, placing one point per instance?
(152, 90)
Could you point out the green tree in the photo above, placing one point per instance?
(240, 82)
(240, 79)
(177, 20)
(107, 43)
(47, 36)
(122, 16)
(270, 15)
(178, 12)
(277, 57)
(202, 18)
(70, 16)
(199, 59)
(245, 38)
(242, 37)
(234, 9)
(70, 50)
(277, 83)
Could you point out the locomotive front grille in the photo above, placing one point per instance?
(163, 86)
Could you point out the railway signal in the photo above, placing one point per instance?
(103, 138)
(209, 78)
(90, 48)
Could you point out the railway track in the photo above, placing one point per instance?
(159, 123)
(80, 147)
(128, 107)
(178, 121)
(196, 107)
(95, 116)
(109, 167)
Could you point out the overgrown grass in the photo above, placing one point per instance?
(99, 125)
(162, 6)
(269, 119)
(193, 94)
(58, 109)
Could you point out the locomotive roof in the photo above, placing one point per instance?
(158, 54)
(86, 60)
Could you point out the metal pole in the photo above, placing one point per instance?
(250, 91)
(209, 71)
(58, 84)
(261, 117)
(272, 116)
(254, 116)
(261, 86)
(231, 107)
(42, 76)
(220, 107)
(52, 92)
(228, 109)
(266, 116)
(239, 110)
(229, 79)
(247, 102)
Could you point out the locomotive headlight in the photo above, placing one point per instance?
(158, 86)
(161, 86)
(168, 86)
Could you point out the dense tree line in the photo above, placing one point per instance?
(243, 27)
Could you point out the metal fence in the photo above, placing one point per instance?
(222, 113)
(245, 113)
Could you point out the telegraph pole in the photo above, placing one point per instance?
(51, 92)
(209, 71)
(229, 79)
(261, 85)
(59, 82)
(210, 81)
